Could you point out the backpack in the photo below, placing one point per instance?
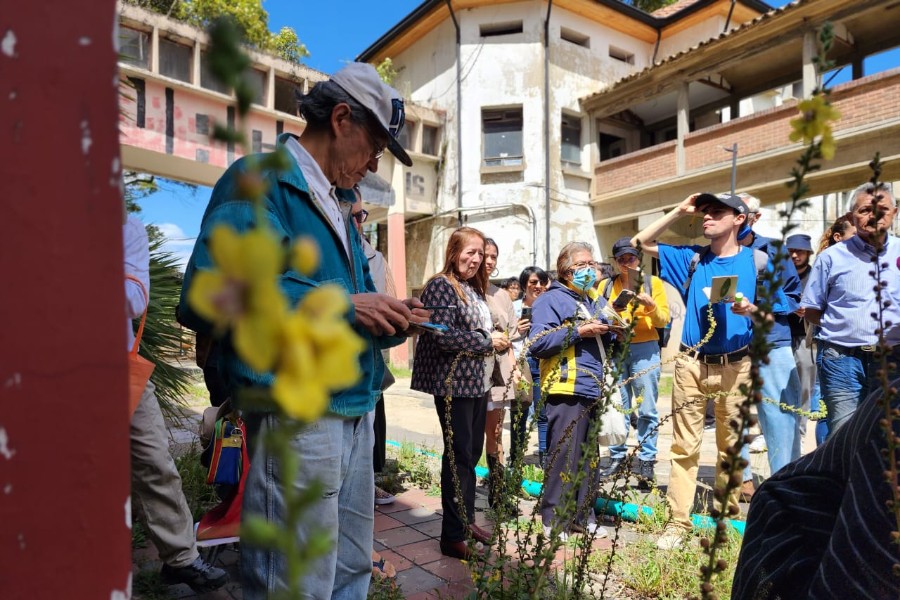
(760, 260)
(663, 332)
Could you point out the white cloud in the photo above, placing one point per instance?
(177, 242)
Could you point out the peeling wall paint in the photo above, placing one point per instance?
(86, 140)
(5, 450)
(8, 45)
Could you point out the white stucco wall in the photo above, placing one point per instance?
(504, 72)
(691, 36)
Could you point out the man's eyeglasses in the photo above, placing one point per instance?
(361, 216)
(377, 150)
(584, 265)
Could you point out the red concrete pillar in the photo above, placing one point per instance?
(64, 471)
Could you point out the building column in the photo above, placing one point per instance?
(858, 70)
(396, 251)
(66, 498)
(810, 51)
(270, 88)
(195, 63)
(682, 119)
(154, 50)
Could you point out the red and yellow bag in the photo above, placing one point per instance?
(226, 462)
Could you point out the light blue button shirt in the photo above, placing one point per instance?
(841, 287)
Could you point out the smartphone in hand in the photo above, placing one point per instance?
(622, 300)
(526, 312)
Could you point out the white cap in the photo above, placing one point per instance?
(362, 82)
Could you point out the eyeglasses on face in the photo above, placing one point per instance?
(584, 265)
(361, 216)
(377, 149)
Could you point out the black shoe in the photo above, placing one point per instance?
(708, 426)
(647, 475)
(200, 576)
(611, 469)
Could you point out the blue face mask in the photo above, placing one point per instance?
(584, 278)
(744, 231)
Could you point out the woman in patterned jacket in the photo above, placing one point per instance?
(458, 293)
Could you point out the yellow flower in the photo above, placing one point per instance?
(320, 354)
(242, 293)
(816, 116)
(305, 255)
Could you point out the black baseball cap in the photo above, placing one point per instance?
(733, 202)
(622, 247)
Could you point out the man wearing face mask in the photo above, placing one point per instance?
(721, 364)
(566, 332)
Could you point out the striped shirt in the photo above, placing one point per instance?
(841, 287)
(819, 528)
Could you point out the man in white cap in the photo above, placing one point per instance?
(350, 120)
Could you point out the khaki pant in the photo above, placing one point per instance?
(157, 485)
(694, 381)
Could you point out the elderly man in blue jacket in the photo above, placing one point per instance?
(351, 119)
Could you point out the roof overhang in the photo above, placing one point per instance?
(760, 55)
(611, 13)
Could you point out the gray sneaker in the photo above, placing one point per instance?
(200, 576)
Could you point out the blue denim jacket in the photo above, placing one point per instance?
(292, 213)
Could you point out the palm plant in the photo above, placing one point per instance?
(163, 338)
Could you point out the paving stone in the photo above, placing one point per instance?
(449, 569)
(384, 522)
(392, 538)
(401, 563)
(421, 552)
(416, 579)
(430, 528)
(422, 514)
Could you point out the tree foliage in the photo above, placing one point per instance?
(386, 71)
(648, 6)
(249, 15)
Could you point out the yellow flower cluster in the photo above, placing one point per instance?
(816, 117)
(312, 349)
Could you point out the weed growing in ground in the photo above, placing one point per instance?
(200, 495)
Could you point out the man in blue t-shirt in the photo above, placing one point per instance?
(705, 368)
(781, 380)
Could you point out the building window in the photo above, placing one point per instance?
(573, 37)
(502, 136)
(498, 29)
(174, 60)
(207, 80)
(621, 55)
(286, 95)
(571, 139)
(407, 135)
(257, 81)
(429, 140)
(134, 47)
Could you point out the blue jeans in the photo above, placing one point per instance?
(642, 356)
(536, 404)
(781, 428)
(814, 406)
(844, 380)
(337, 454)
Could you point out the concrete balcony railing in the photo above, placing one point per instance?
(869, 122)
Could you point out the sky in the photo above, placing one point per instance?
(335, 32)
